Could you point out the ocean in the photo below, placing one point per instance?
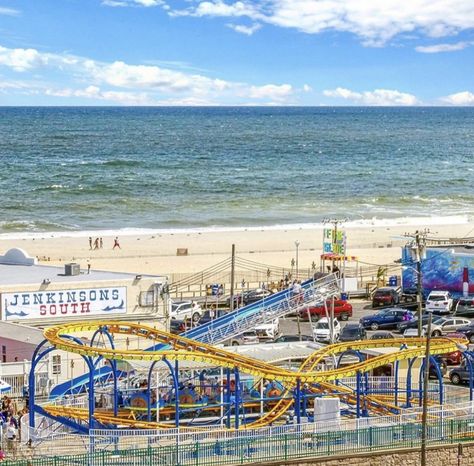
(96, 168)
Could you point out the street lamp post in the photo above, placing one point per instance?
(297, 244)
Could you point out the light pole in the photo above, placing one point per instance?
(297, 244)
(426, 377)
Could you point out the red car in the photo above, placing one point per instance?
(342, 310)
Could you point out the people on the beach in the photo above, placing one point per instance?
(96, 243)
(101, 243)
(116, 243)
(90, 242)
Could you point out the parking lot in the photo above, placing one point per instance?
(360, 308)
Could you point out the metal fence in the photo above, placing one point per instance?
(242, 450)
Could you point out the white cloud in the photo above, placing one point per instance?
(374, 21)
(461, 98)
(271, 92)
(307, 88)
(22, 59)
(247, 30)
(442, 47)
(9, 11)
(138, 84)
(377, 97)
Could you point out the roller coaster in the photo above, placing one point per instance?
(220, 386)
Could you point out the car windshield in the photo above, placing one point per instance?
(322, 325)
(437, 297)
(382, 293)
(249, 334)
(174, 307)
(466, 303)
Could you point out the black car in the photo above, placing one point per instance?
(381, 335)
(353, 332)
(291, 338)
(211, 314)
(460, 374)
(467, 331)
(402, 326)
(249, 297)
(465, 307)
(178, 326)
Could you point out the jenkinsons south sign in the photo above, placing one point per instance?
(64, 304)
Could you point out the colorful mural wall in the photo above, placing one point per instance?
(443, 269)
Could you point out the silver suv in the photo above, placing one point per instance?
(246, 338)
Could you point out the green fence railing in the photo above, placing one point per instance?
(258, 449)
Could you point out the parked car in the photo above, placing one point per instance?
(446, 325)
(269, 330)
(467, 331)
(211, 314)
(381, 335)
(246, 338)
(353, 332)
(292, 338)
(460, 374)
(185, 310)
(465, 307)
(322, 332)
(385, 297)
(439, 302)
(386, 318)
(177, 326)
(249, 297)
(342, 310)
(413, 323)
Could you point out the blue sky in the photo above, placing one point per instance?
(216, 52)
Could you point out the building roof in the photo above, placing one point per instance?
(36, 274)
(21, 333)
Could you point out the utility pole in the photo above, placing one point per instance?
(426, 378)
(232, 278)
(418, 254)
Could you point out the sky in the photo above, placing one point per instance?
(227, 52)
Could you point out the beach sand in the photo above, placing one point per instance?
(373, 242)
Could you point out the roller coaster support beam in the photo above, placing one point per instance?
(227, 397)
(237, 397)
(358, 390)
(409, 391)
(148, 392)
(174, 375)
(298, 401)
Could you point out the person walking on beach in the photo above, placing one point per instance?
(90, 243)
(96, 243)
(101, 243)
(88, 267)
(116, 243)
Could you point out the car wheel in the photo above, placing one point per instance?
(471, 339)
(196, 316)
(235, 343)
(455, 379)
(374, 326)
(436, 333)
(344, 316)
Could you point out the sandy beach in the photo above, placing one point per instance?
(373, 242)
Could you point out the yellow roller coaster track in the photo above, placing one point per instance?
(185, 349)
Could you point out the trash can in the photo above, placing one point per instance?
(216, 289)
(344, 296)
(393, 280)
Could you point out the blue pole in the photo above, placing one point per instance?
(358, 388)
(228, 396)
(467, 356)
(410, 366)
(176, 401)
(148, 391)
(298, 401)
(237, 397)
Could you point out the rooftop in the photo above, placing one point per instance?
(17, 268)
